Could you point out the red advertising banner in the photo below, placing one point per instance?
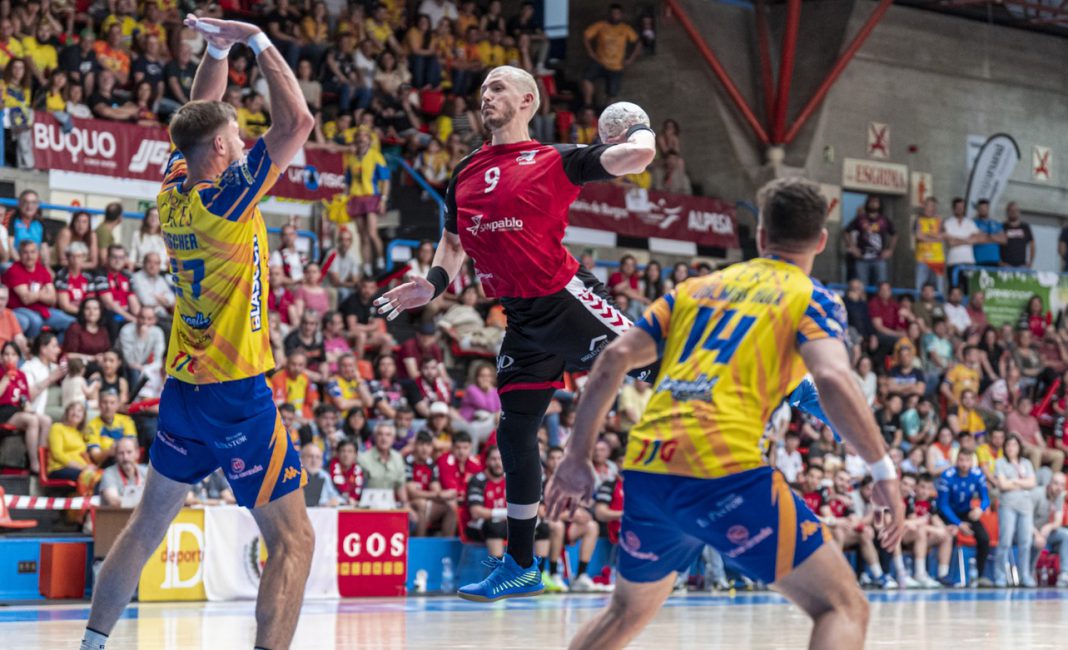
(372, 552)
(647, 213)
(139, 152)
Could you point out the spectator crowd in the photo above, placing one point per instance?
(402, 413)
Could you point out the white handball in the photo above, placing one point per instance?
(617, 118)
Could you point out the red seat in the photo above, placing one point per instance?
(44, 456)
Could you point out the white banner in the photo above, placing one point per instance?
(235, 554)
(992, 170)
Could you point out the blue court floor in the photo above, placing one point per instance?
(914, 620)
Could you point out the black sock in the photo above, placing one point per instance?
(582, 567)
(553, 566)
(521, 540)
(541, 564)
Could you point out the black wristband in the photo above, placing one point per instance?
(438, 277)
(639, 127)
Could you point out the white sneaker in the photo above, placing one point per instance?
(1062, 579)
(927, 582)
(911, 583)
(562, 586)
(887, 582)
(582, 584)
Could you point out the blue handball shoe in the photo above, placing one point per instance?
(507, 580)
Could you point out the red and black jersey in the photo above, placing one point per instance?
(453, 476)
(610, 493)
(509, 205)
(815, 500)
(840, 506)
(485, 491)
(922, 507)
(422, 472)
(349, 482)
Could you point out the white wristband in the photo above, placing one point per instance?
(217, 53)
(883, 469)
(259, 42)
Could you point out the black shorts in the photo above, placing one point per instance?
(8, 411)
(564, 331)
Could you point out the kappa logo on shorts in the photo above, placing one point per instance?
(290, 472)
(808, 529)
(630, 543)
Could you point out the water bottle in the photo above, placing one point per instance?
(708, 581)
(447, 578)
(973, 573)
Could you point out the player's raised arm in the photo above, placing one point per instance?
(291, 121)
(210, 81)
(844, 403)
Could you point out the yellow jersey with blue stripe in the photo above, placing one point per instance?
(217, 242)
(729, 346)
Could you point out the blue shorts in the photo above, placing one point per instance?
(751, 518)
(233, 425)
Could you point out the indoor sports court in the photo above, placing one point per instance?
(922, 620)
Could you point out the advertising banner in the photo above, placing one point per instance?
(1006, 292)
(233, 569)
(372, 552)
(990, 174)
(129, 151)
(175, 571)
(648, 213)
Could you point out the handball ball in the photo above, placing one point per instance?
(617, 118)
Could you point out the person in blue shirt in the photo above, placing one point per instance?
(959, 487)
(24, 222)
(988, 253)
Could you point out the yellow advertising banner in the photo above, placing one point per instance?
(176, 570)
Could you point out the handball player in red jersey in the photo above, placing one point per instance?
(507, 207)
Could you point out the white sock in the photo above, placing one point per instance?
(921, 566)
(93, 640)
(876, 571)
(943, 570)
(899, 566)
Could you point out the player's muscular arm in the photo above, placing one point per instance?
(841, 397)
(632, 156)
(844, 403)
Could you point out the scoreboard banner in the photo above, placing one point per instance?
(130, 151)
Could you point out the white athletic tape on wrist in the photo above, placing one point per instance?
(207, 28)
(883, 469)
(259, 42)
(217, 53)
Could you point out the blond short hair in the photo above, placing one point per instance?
(198, 121)
(524, 81)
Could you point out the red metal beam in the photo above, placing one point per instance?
(718, 70)
(786, 69)
(836, 71)
(765, 61)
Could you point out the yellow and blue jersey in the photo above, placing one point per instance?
(364, 175)
(729, 345)
(217, 242)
